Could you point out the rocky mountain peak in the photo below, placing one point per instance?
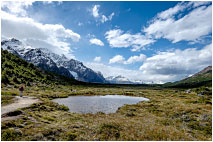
(60, 64)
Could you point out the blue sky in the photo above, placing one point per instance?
(149, 41)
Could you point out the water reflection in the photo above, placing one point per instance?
(94, 104)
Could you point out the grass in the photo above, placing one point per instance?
(7, 97)
(170, 114)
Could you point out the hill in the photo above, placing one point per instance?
(15, 70)
(47, 60)
(202, 78)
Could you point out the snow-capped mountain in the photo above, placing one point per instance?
(50, 61)
(118, 80)
(122, 80)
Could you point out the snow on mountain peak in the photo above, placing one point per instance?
(50, 61)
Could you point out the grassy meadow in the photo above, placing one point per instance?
(171, 114)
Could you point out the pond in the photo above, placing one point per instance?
(94, 104)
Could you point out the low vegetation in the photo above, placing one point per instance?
(15, 70)
(171, 114)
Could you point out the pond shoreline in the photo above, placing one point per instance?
(97, 103)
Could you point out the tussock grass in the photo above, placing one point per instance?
(169, 115)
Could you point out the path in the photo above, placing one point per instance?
(21, 102)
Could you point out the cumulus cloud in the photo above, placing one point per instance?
(111, 15)
(117, 38)
(109, 18)
(95, 10)
(17, 7)
(117, 59)
(179, 62)
(132, 75)
(162, 67)
(171, 11)
(134, 59)
(52, 36)
(192, 26)
(195, 4)
(100, 17)
(97, 59)
(96, 41)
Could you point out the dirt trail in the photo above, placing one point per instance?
(21, 102)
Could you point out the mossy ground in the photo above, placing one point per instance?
(170, 114)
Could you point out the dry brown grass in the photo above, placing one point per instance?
(169, 115)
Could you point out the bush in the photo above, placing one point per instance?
(109, 130)
(71, 136)
(4, 79)
(10, 135)
(63, 107)
(9, 93)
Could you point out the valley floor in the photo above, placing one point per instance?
(171, 114)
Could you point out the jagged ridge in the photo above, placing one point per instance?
(49, 61)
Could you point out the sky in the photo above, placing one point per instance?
(161, 41)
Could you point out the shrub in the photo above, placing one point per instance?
(63, 107)
(49, 118)
(9, 93)
(10, 135)
(71, 136)
(109, 130)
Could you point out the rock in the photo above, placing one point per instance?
(188, 91)
(38, 137)
(132, 109)
(18, 132)
(206, 117)
(201, 94)
(130, 114)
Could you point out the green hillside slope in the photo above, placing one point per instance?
(202, 78)
(15, 70)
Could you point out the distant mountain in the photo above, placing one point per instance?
(118, 80)
(15, 70)
(201, 78)
(52, 62)
(122, 80)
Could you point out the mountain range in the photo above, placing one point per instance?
(71, 68)
(122, 80)
(47, 60)
(204, 77)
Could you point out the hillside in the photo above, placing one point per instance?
(47, 60)
(15, 70)
(202, 78)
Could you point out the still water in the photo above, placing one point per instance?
(94, 104)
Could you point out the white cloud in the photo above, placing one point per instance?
(96, 41)
(117, 59)
(47, 2)
(111, 15)
(171, 11)
(117, 38)
(95, 10)
(163, 67)
(104, 19)
(134, 59)
(133, 75)
(80, 24)
(37, 34)
(97, 59)
(16, 7)
(192, 26)
(100, 17)
(195, 4)
(178, 62)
